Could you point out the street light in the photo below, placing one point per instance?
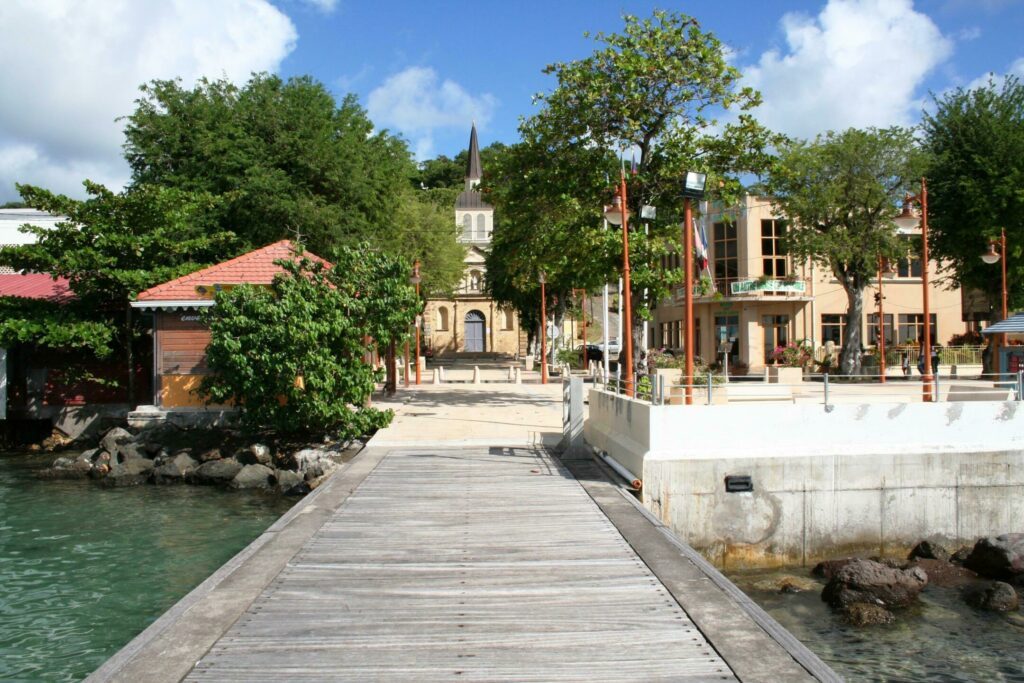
(618, 214)
(992, 256)
(884, 269)
(415, 280)
(693, 188)
(543, 278)
(906, 221)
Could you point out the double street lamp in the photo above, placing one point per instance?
(907, 221)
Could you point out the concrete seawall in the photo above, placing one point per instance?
(870, 478)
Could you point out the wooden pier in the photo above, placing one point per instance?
(472, 563)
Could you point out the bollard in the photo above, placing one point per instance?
(476, 374)
(828, 409)
(436, 378)
(518, 377)
(511, 374)
(935, 389)
(444, 378)
(709, 387)
(1020, 385)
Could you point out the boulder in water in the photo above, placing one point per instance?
(216, 471)
(996, 597)
(928, 550)
(174, 470)
(286, 479)
(256, 454)
(867, 614)
(129, 473)
(874, 583)
(944, 574)
(998, 557)
(253, 477)
(113, 439)
(827, 568)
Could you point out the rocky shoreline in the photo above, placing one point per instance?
(867, 591)
(168, 454)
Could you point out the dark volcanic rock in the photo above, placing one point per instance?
(867, 614)
(927, 550)
(944, 574)
(961, 555)
(254, 477)
(129, 473)
(256, 454)
(828, 568)
(174, 470)
(998, 557)
(113, 439)
(216, 471)
(871, 582)
(208, 454)
(996, 596)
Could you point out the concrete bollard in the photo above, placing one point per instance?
(443, 377)
(436, 376)
(476, 374)
(518, 377)
(528, 363)
(511, 374)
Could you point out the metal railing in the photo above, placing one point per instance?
(711, 389)
(948, 355)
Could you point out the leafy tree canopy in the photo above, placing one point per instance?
(286, 158)
(975, 141)
(110, 247)
(840, 194)
(294, 354)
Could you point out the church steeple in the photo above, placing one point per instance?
(474, 170)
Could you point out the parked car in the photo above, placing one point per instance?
(594, 352)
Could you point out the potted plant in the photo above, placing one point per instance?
(790, 361)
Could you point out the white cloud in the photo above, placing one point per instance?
(857, 63)
(71, 67)
(325, 6)
(1015, 69)
(416, 103)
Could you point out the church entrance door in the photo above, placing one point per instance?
(474, 332)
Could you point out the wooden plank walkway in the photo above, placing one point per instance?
(465, 564)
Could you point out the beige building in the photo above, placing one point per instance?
(765, 299)
(472, 323)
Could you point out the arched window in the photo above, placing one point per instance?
(442, 319)
(467, 226)
(481, 227)
(476, 281)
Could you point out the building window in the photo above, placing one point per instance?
(910, 265)
(481, 227)
(873, 329)
(727, 269)
(467, 226)
(507, 319)
(476, 281)
(833, 328)
(442, 319)
(911, 328)
(773, 255)
(776, 333)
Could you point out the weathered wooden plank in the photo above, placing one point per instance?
(469, 564)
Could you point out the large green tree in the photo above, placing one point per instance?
(975, 141)
(662, 89)
(286, 158)
(110, 247)
(840, 194)
(294, 354)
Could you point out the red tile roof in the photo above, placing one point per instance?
(36, 286)
(256, 268)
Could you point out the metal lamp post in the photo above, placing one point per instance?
(884, 270)
(908, 220)
(618, 214)
(543, 278)
(693, 188)
(990, 257)
(415, 280)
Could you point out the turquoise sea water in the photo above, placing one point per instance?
(84, 569)
(940, 639)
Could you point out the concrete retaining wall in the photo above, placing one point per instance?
(870, 478)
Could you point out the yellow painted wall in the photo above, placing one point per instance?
(180, 391)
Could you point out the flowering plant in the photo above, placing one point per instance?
(792, 355)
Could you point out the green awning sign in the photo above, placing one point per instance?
(749, 286)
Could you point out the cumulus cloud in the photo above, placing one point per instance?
(416, 102)
(1015, 69)
(71, 67)
(325, 6)
(857, 63)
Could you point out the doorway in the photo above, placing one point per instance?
(475, 332)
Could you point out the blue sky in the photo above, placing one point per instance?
(425, 69)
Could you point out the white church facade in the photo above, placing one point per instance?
(471, 322)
